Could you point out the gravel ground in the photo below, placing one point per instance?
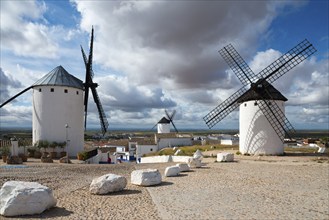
(70, 185)
(247, 189)
(250, 188)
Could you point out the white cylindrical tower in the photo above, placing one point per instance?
(58, 111)
(257, 135)
(164, 126)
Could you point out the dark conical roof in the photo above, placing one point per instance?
(59, 77)
(263, 90)
(164, 121)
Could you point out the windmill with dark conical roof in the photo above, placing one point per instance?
(164, 124)
(60, 104)
(263, 124)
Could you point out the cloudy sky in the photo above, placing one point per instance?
(156, 55)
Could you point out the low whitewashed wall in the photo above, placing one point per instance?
(103, 157)
(180, 159)
(173, 142)
(156, 159)
(93, 160)
(229, 142)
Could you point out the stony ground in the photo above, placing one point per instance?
(250, 188)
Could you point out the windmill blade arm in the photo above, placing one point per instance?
(167, 114)
(173, 114)
(154, 126)
(102, 116)
(84, 56)
(87, 65)
(86, 104)
(225, 108)
(287, 61)
(174, 126)
(14, 97)
(90, 59)
(276, 118)
(237, 64)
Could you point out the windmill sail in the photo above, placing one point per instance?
(102, 116)
(237, 64)
(170, 118)
(225, 108)
(90, 84)
(287, 61)
(14, 97)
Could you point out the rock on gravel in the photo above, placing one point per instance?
(194, 163)
(146, 177)
(183, 167)
(107, 183)
(225, 157)
(172, 171)
(25, 198)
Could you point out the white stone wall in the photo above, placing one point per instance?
(257, 135)
(52, 110)
(181, 159)
(156, 159)
(173, 142)
(145, 149)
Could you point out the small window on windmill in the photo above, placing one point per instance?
(255, 103)
(245, 104)
(51, 89)
(40, 90)
(65, 90)
(151, 149)
(77, 92)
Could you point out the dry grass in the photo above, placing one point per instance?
(189, 150)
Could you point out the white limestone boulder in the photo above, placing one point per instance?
(183, 167)
(194, 163)
(198, 155)
(146, 177)
(172, 171)
(25, 198)
(225, 157)
(107, 183)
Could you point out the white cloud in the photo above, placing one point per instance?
(120, 93)
(23, 31)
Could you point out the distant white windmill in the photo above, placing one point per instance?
(164, 123)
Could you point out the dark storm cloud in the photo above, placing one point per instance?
(176, 41)
(6, 82)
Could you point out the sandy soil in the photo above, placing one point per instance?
(290, 187)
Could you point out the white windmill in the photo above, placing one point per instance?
(263, 124)
(164, 124)
(60, 106)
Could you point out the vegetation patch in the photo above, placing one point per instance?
(190, 150)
